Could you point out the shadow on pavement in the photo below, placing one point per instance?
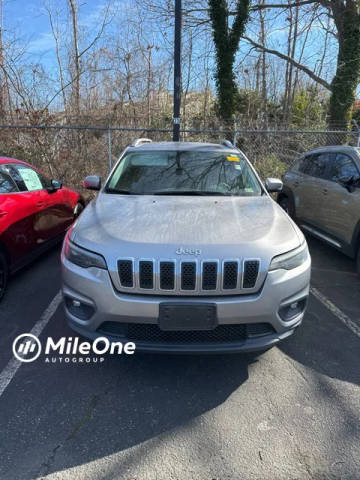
(128, 400)
(325, 344)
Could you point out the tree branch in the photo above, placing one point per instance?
(281, 5)
(70, 83)
(296, 64)
(298, 3)
(101, 31)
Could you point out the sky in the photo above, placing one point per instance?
(30, 21)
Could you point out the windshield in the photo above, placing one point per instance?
(184, 173)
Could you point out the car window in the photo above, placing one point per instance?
(296, 165)
(304, 164)
(46, 182)
(343, 166)
(26, 179)
(319, 165)
(184, 172)
(7, 185)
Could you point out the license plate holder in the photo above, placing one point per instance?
(187, 317)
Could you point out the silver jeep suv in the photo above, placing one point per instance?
(322, 192)
(183, 250)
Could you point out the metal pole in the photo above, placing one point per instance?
(109, 148)
(235, 133)
(177, 71)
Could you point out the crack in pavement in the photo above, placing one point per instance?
(45, 467)
(85, 418)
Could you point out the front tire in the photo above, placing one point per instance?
(4, 274)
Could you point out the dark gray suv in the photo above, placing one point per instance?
(322, 191)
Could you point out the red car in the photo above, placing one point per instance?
(34, 214)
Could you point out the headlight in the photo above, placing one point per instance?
(83, 258)
(290, 260)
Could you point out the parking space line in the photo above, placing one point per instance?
(13, 365)
(336, 311)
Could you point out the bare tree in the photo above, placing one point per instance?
(76, 57)
(54, 25)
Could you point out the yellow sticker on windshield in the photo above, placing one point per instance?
(232, 158)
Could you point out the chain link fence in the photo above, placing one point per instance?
(69, 153)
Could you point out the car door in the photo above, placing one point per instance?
(316, 200)
(59, 213)
(341, 206)
(29, 183)
(294, 179)
(308, 196)
(18, 209)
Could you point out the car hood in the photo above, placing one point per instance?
(119, 226)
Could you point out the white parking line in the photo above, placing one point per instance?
(336, 311)
(13, 365)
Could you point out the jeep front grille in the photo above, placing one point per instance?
(125, 268)
(146, 276)
(251, 271)
(209, 276)
(195, 277)
(230, 278)
(167, 275)
(188, 275)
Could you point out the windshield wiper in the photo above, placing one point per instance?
(189, 192)
(201, 193)
(120, 192)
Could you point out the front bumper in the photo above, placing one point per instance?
(93, 287)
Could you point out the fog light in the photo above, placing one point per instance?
(79, 309)
(289, 312)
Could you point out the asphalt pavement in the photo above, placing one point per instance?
(291, 413)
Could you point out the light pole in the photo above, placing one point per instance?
(177, 71)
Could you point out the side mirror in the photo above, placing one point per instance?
(273, 185)
(345, 180)
(92, 182)
(349, 183)
(55, 185)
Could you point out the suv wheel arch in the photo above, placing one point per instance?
(286, 201)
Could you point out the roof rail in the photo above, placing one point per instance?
(140, 141)
(227, 143)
